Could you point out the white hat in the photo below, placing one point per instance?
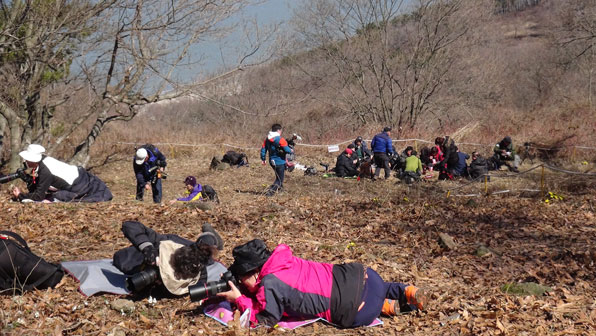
(140, 156)
(166, 271)
(32, 153)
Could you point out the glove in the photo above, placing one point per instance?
(150, 253)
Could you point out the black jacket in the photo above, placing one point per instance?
(478, 167)
(345, 166)
(130, 259)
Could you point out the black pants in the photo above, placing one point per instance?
(382, 161)
(278, 184)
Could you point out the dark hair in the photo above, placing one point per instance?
(434, 151)
(358, 139)
(188, 261)
(351, 146)
(409, 148)
(439, 141)
(456, 148)
(275, 127)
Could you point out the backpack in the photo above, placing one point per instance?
(21, 270)
(210, 193)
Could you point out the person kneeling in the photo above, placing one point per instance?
(413, 166)
(277, 283)
(346, 165)
(54, 180)
(155, 261)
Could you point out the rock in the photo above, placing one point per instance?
(525, 288)
(483, 251)
(122, 305)
(446, 241)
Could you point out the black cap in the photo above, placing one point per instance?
(387, 129)
(249, 256)
(507, 139)
(359, 138)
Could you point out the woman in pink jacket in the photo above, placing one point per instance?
(278, 284)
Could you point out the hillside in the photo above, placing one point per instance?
(390, 227)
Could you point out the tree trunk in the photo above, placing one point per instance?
(80, 156)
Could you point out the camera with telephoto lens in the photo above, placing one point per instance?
(206, 290)
(142, 280)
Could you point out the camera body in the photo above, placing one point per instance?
(142, 280)
(206, 290)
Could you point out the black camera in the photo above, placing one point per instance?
(20, 173)
(142, 280)
(206, 290)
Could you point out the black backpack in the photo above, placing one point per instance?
(210, 193)
(21, 270)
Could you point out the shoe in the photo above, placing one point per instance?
(417, 297)
(390, 307)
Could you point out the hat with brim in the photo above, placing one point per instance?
(249, 257)
(174, 286)
(32, 153)
(140, 156)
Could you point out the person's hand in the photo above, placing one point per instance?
(16, 191)
(263, 163)
(232, 294)
(150, 253)
(147, 186)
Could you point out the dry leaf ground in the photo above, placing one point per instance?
(393, 228)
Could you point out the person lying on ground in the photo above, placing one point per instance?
(276, 284)
(174, 262)
(346, 165)
(54, 180)
(196, 192)
(235, 159)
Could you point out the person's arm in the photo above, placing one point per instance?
(138, 234)
(44, 181)
(512, 150)
(264, 150)
(266, 308)
(365, 149)
(419, 169)
(284, 145)
(497, 149)
(139, 173)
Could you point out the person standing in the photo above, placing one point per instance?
(382, 145)
(149, 164)
(277, 147)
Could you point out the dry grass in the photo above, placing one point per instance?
(394, 228)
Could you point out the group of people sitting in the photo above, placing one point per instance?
(272, 284)
(444, 157)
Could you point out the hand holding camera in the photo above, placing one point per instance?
(150, 254)
(226, 286)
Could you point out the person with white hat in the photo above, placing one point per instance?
(54, 180)
(149, 164)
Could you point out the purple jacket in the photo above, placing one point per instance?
(194, 195)
(291, 286)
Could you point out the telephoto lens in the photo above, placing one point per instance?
(141, 280)
(206, 290)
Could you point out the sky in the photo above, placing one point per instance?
(222, 53)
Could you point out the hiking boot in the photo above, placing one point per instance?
(417, 297)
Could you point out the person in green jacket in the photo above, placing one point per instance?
(413, 167)
(505, 155)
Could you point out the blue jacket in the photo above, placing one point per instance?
(143, 172)
(460, 167)
(277, 148)
(381, 143)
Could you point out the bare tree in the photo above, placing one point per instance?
(126, 53)
(575, 36)
(388, 62)
(37, 40)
